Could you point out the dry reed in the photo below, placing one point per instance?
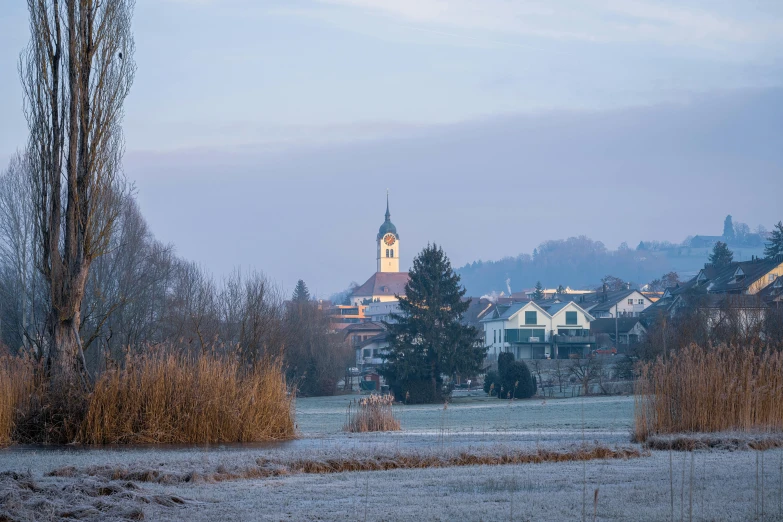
(377, 461)
(373, 413)
(18, 382)
(165, 398)
(706, 391)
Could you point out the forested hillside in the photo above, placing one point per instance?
(578, 262)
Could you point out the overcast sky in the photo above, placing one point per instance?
(264, 134)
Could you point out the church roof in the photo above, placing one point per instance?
(383, 284)
(387, 226)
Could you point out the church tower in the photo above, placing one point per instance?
(388, 244)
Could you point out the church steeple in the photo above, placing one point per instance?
(388, 244)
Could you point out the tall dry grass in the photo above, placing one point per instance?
(18, 383)
(155, 398)
(701, 390)
(166, 398)
(373, 413)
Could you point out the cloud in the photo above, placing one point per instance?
(593, 20)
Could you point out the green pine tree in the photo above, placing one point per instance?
(301, 294)
(775, 245)
(539, 293)
(721, 255)
(728, 229)
(428, 340)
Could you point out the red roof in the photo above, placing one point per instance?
(383, 284)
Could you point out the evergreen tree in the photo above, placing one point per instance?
(775, 245)
(728, 229)
(721, 255)
(428, 339)
(301, 294)
(560, 290)
(539, 293)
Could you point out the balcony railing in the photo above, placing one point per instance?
(574, 339)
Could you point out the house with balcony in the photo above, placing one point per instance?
(533, 331)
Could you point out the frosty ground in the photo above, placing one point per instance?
(194, 483)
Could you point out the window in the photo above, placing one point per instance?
(771, 277)
(570, 317)
(630, 301)
(392, 251)
(494, 336)
(640, 301)
(531, 318)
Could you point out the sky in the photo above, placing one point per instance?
(265, 134)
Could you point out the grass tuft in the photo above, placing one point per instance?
(373, 413)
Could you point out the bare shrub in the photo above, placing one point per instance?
(373, 413)
(699, 390)
(166, 398)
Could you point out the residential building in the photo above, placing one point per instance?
(369, 354)
(621, 303)
(532, 331)
(620, 330)
(341, 316)
(356, 334)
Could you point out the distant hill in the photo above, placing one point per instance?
(580, 262)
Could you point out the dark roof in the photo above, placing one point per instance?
(387, 226)
(612, 298)
(624, 325)
(383, 283)
(479, 308)
(724, 280)
(375, 339)
(720, 300)
(363, 327)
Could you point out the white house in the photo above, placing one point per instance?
(622, 303)
(532, 331)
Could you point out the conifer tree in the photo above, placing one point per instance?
(775, 245)
(721, 255)
(428, 340)
(301, 294)
(539, 293)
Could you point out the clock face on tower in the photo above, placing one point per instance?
(389, 239)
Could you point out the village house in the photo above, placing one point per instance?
(532, 331)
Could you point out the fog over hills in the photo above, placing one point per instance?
(484, 189)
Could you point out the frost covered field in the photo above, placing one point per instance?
(225, 483)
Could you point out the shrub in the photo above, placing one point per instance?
(513, 380)
(492, 383)
(700, 390)
(373, 413)
(419, 391)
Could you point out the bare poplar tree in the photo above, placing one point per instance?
(16, 245)
(76, 72)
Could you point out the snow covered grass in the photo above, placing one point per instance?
(701, 485)
(699, 390)
(373, 413)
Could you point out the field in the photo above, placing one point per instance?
(209, 483)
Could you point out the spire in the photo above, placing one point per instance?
(388, 215)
